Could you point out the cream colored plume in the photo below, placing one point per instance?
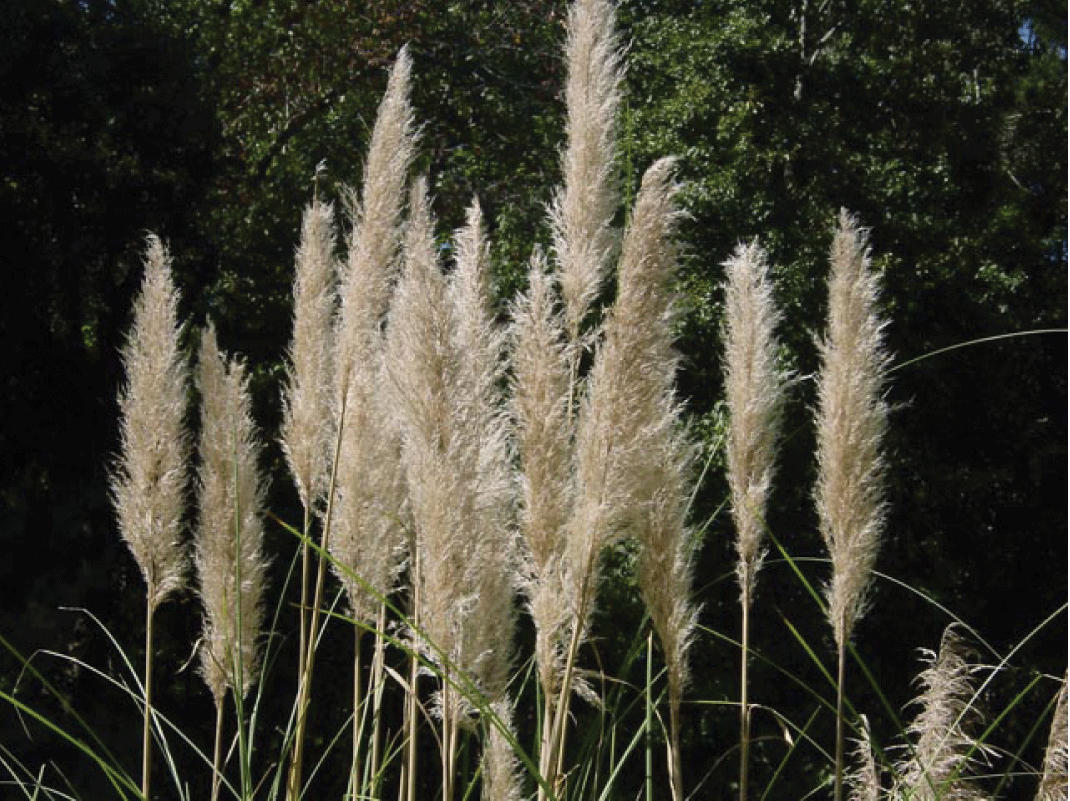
(851, 421)
(754, 393)
(231, 566)
(583, 210)
(306, 429)
(367, 539)
(149, 482)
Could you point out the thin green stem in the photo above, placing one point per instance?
(146, 732)
(304, 689)
(358, 716)
(837, 793)
(217, 750)
(744, 699)
(649, 760)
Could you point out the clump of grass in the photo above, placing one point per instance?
(429, 485)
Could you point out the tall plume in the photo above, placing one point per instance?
(306, 429)
(630, 458)
(423, 365)
(754, 392)
(149, 482)
(487, 650)
(851, 421)
(543, 426)
(229, 545)
(367, 541)
(583, 210)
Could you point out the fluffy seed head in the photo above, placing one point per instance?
(754, 392)
(306, 429)
(229, 546)
(583, 210)
(851, 421)
(543, 433)
(149, 482)
(944, 751)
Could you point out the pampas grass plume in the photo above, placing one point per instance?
(306, 419)
(754, 392)
(851, 421)
(939, 762)
(229, 547)
(150, 480)
(583, 210)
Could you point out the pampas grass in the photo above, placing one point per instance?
(944, 749)
(362, 524)
(584, 207)
(306, 431)
(851, 420)
(450, 463)
(149, 482)
(229, 558)
(754, 390)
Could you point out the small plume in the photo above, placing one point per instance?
(864, 782)
(1053, 784)
(149, 482)
(944, 751)
(229, 545)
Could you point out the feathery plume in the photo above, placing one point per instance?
(851, 421)
(306, 405)
(631, 420)
(754, 392)
(229, 546)
(422, 363)
(1053, 784)
(543, 431)
(943, 751)
(376, 218)
(583, 210)
(368, 541)
(440, 459)
(487, 647)
(864, 781)
(149, 482)
(630, 456)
